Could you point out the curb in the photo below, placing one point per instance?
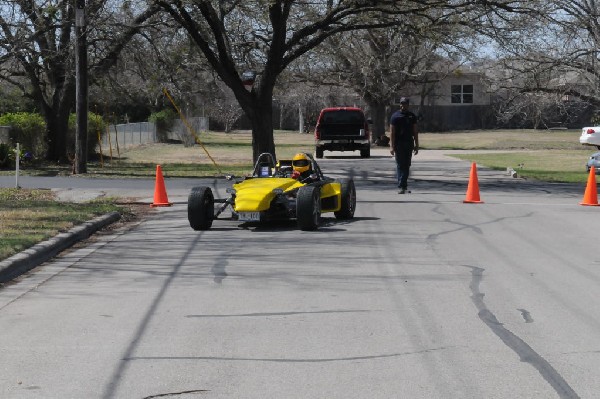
(26, 260)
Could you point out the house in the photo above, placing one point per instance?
(460, 100)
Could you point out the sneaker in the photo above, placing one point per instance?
(402, 191)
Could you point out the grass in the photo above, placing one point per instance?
(30, 216)
(498, 140)
(545, 155)
(219, 154)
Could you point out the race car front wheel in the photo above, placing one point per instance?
(201, 208)
(348, 198)
(308, 207)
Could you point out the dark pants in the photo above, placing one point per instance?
(403, 159)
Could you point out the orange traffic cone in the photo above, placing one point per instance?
(160, 193)
(591, 191)
(473, 187)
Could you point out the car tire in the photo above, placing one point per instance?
(348, 198)
(318, 152)
(365, 153)
(201, 208)
(308, 208)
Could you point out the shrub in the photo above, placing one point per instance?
(27, 129)
(96, 125)
(8, 156)
(4, 155)
(163, 120)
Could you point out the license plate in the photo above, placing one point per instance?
(249, 216)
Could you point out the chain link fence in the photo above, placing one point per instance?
(132, 134)
(180, 132)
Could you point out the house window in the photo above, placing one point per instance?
(462, 94)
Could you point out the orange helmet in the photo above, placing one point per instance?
(301, 162)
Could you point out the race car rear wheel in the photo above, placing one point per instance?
(348, 198)
(201, 208)
(308, 207)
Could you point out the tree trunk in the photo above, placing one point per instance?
(57, 126)
(379, 117)
(262, 130)
(258, 108)
(56, 113)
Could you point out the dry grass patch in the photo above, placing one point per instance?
(520, 139)
(223, 148)
(30, 216)
(219, 154)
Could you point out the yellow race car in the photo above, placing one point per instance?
(273, 192)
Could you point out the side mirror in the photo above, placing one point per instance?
(312, 176)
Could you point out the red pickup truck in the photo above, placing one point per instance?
(342, 129)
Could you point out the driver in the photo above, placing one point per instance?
(301, 165)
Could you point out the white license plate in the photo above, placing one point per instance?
(249, 216)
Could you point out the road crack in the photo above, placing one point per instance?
(516, 344)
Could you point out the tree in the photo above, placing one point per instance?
(551, 61)
(379, 64)
(12, 100)
(161, 56)
(301, 93)
(37, 42)
(224, 108)
(265, 36)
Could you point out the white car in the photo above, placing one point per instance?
(590, 136)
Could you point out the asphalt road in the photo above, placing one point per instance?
(419, 296)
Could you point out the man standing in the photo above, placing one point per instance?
(404, 141)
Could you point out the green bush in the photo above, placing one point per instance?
(96, 125)
(8, 156)
(27, 129)
(4, 155)
(164, 122)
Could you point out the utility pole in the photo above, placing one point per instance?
(300, 119)
(81, 94)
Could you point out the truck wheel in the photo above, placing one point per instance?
(348, 198)
(318, 152)
(201, 208)
(365, 153)
(308, 207)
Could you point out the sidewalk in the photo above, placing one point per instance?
(28, 259)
